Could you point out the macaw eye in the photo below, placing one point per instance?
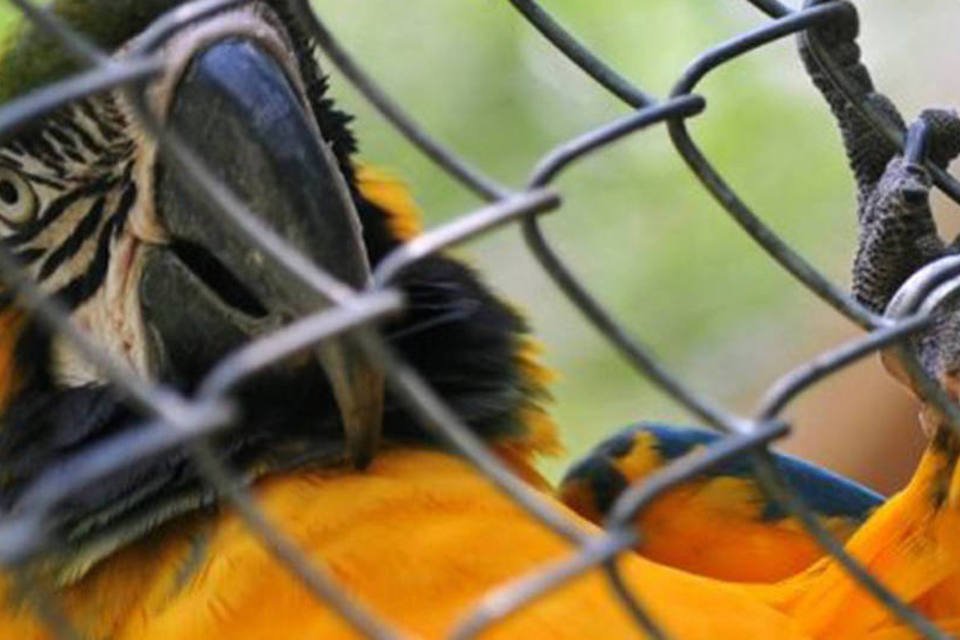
(18, 201)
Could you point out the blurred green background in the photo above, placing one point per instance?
(636, 225)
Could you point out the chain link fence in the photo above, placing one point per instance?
(179, 421)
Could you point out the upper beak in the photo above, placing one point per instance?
(211, 289)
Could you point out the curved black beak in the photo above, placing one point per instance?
(210, 289)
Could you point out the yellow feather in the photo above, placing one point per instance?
(910, 544)
(419, 537)
(392, 196)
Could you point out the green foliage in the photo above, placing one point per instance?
(30, 58)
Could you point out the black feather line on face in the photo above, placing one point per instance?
(82, 287)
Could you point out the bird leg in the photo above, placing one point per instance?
(897, 232)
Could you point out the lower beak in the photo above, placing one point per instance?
(210, 289)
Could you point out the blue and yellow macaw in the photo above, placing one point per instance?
(108, 227)
(105, 225)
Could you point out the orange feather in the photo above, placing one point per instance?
(911, 544)
(419, 537)
(713, 525)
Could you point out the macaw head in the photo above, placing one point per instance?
(123, 238)
(126, 242)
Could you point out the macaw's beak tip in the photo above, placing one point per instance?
(358, 389)
(213, 288)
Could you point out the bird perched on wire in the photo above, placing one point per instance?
(117, 233)
(910, 543)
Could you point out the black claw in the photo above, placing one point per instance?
(915, 196)
(943, 128)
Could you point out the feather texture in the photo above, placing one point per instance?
(419, 538)
(719, 524)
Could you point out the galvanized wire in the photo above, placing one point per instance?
(180, 421)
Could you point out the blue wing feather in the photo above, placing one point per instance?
(827, 493)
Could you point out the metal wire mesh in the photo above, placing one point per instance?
(181, 421)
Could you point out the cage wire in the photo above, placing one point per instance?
(181, 421)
